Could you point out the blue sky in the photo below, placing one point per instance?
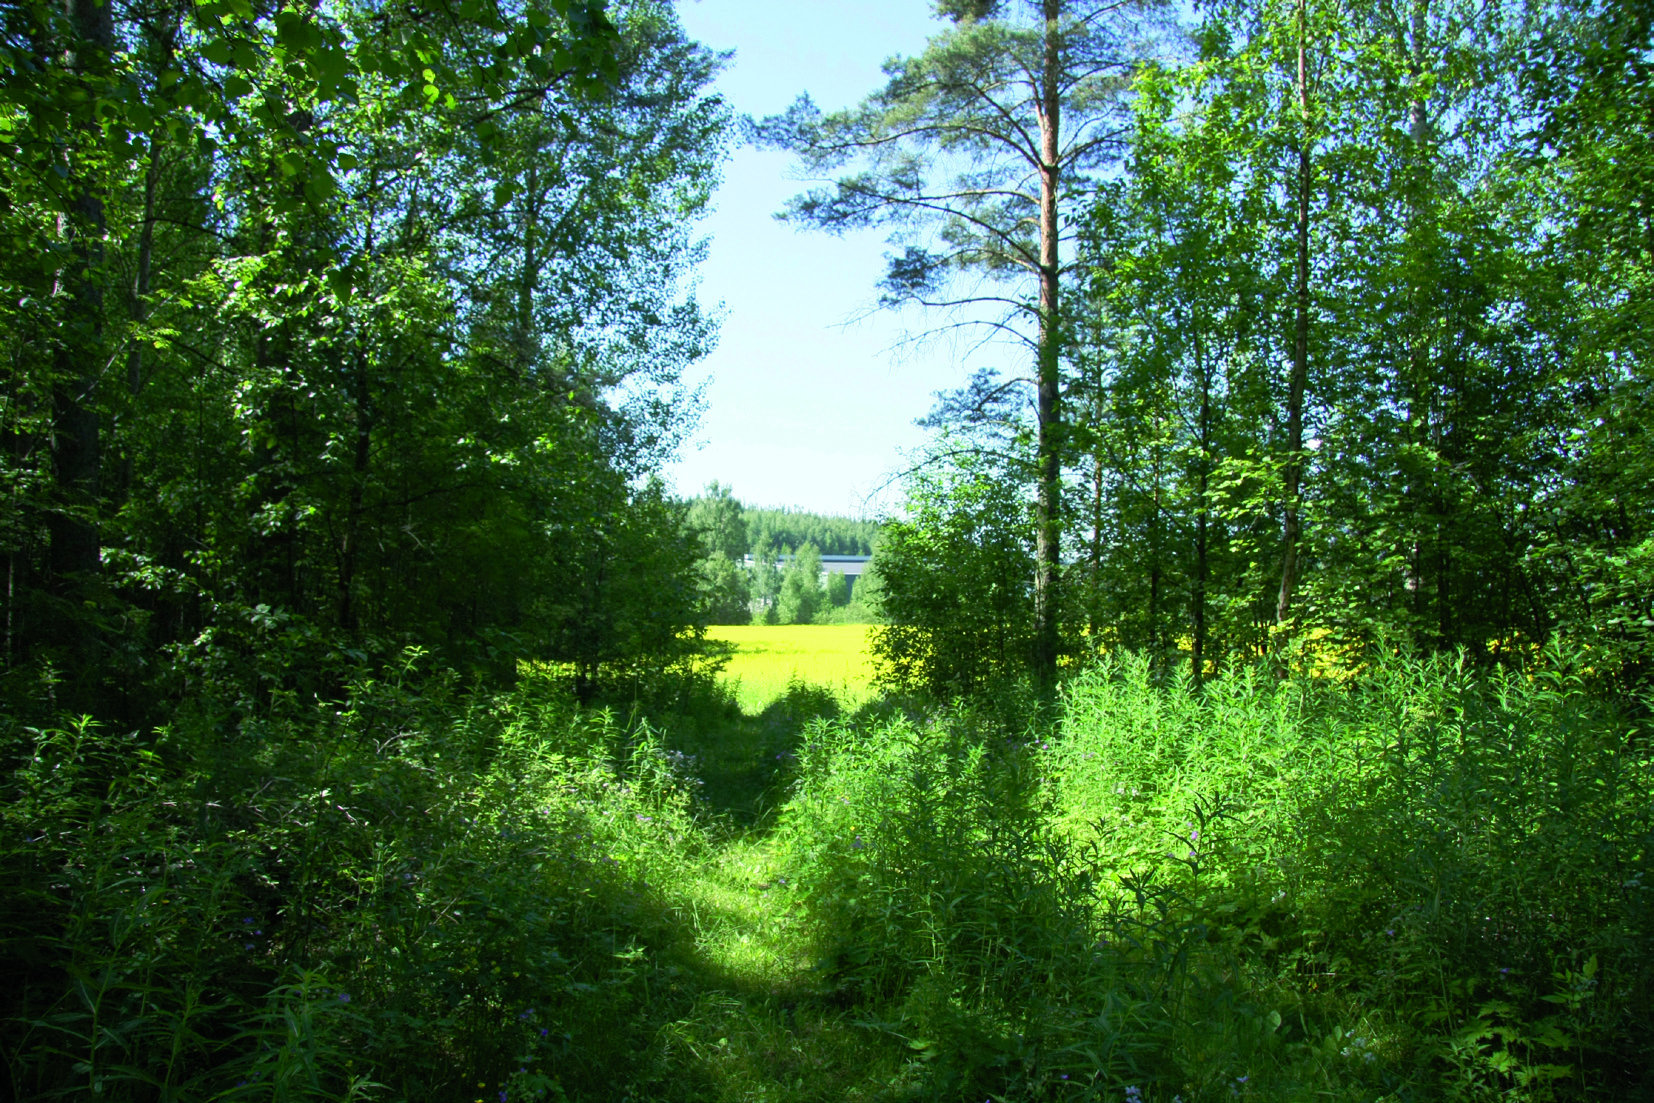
(807, 405)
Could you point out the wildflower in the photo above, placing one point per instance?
(344, 997)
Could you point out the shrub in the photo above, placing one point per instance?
(404, 891)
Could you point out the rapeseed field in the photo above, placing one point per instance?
(769, 657)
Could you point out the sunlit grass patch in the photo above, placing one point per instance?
(768, 657)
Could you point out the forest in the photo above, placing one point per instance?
(1264, 643)
(764, 566)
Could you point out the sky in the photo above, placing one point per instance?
(812, 391)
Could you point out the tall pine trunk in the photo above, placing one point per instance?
(1048, 510)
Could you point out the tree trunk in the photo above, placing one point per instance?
(1048, 509)
(74, 548)
(140, 297)
(361, 395)
(527, 284)
(1423, 428)
(146, 247)
(1093, 621)
(1155, 650)
(1296, 384)
(1197, 660)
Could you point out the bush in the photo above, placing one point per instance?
(1449, 868)
(941, 899)
(1414, 884)
(405, 891)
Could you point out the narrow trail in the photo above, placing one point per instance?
(764, 1025)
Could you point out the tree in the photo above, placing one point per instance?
(721, 531)
(867, 595)
(329, 446)
(801, 594)
(975, 152)
(1588, 79)
(1431, 388)
(795, 527)
(1202, 271)
(837, 591)
(102, 96)
(955, 576)
(765, 582)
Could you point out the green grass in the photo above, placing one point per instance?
(1413, 886)
(768, 658)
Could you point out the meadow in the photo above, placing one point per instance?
(768, 658)
(1421, 884)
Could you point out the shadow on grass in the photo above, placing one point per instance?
(744, 1013)
(745, 763)
(757, 1024)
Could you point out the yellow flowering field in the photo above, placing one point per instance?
(767, 657)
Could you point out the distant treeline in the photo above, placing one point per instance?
(783, 529)
(733, 590)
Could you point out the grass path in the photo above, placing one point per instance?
(762, 1028)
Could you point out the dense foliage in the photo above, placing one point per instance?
(1415, 884)
(793, 528)
(409, 397)
(358, 738)
(1349, 331)
(413, 894)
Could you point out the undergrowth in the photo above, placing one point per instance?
(1418, 884)
(411, 897)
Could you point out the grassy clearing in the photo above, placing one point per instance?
(768, 658)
